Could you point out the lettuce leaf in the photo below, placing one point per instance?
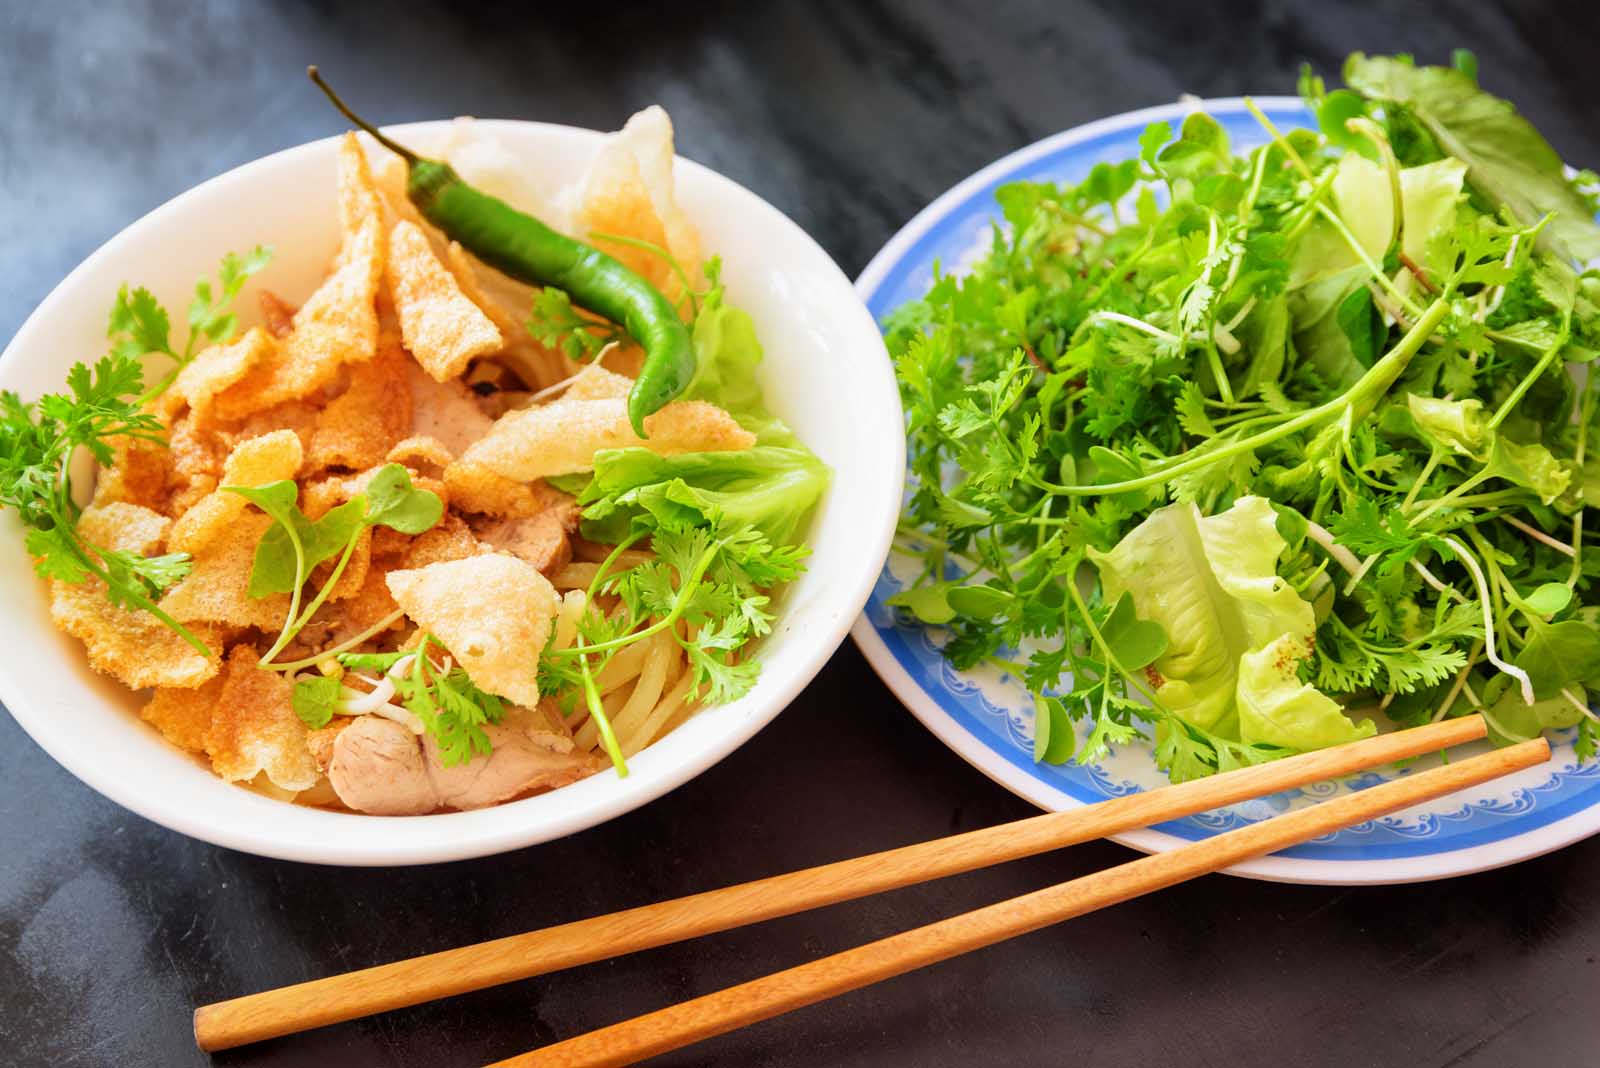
(1508, 161)
(1276, 708)
(767, 487)
(1212, 585)
(727, 352)
(1236, 631)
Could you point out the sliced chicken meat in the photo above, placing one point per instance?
(445, 411)
(522, 760)
(380, 767)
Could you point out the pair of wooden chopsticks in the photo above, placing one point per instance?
(410, 982)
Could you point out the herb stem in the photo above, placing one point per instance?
(343, 647)
(1482, 587)
(288, 631)
(1372, 385)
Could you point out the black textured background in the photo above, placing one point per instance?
(849, 117)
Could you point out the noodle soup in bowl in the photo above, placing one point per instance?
(824, 373)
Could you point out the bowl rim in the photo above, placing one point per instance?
(450, 836)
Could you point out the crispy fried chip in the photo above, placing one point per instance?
(133, 647)
(277, 314)
(389, 178)
(596, 383)
(254, 728)
(355, 570)
(359, 426)
(138, 474)
(339, 323)
(562, 438)
(475, 488)
(371, 604)
(538, 366)
(442, 327)
(216, 591)
(419, 453)
(452, 539)
(628, 192)
(215, 369)
(120, 525)
(183, 716)
(115, 636)
(489, 611)
(254, 462)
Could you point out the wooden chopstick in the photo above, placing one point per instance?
(291, 1009)
(737, 1006)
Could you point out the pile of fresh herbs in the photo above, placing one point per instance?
(1242, 451)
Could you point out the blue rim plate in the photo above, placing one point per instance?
(986, 716)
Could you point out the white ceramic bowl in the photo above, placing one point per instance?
(826, 373)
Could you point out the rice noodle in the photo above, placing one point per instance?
(652, 679)
(568, 614)
(668, 706)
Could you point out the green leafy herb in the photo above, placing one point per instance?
(725, 529)
(450, 705)
(316, 700)
(139, 325)
(37, 442)
(294, 545)
(1231, 466)
(556, 323)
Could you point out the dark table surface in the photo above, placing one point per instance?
(849, 117)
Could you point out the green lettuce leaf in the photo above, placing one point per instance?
(1276, 708)
(1507, 160)
(769, 488)
(1211, 584)
(727, 352)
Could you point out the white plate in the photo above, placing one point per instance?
(825, 373)
(987, 717)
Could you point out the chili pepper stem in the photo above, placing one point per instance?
(393, 146)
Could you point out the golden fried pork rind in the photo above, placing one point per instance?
(596, 383)
(493, 612)
(216, 591)
(123, 526)
(421, 453)
(452, 539)
(474, 488)
(254, 728)
(339, 323)
(139, 474)
(442, 327)
(255, 462)
(562, 438)
(629, 192)
(359, 427)
(132, 646)
(183, 716)
(215, 369)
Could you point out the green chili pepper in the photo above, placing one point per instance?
(529, 251)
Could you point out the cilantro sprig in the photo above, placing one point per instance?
(139, 325)
(37, 442)
(710, 577)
